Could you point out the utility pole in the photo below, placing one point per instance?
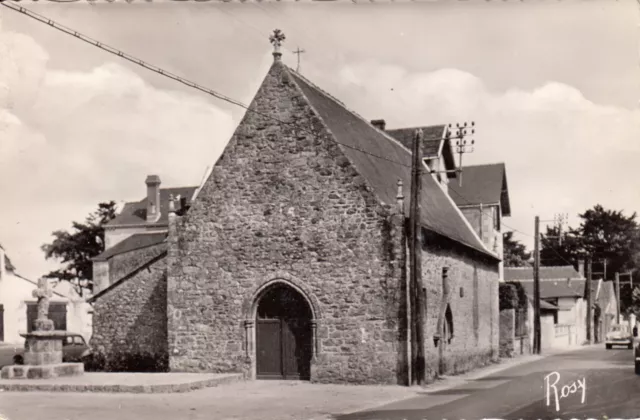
(536, 290)
(588, 295)
(618, 298)
(416, 290)
(463, 146)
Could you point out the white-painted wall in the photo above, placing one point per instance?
(15, 294)
(116, 235)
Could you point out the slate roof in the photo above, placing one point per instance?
(546, 273)
(434, 143)
(7, 264)
(553, 289)
(607, 291)
(133, 242)
(382, 160)
(135, 213)
(432, 136)
(483, 184)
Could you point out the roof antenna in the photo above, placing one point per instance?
(462, 144)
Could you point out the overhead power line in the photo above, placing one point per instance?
(186, 82)
(170, 75)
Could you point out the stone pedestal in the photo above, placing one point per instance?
(43, 357)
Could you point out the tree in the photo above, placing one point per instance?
(602, 235)
(75, 249)
(635, 302)
(515, 253)
(556, 249)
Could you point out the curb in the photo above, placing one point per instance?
(134, 389)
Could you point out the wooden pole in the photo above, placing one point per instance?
(588, 296)
(417, 304)
(536, 290)
(618, 298)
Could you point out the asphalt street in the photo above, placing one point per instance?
(611, 390)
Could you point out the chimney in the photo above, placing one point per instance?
(3, 267)
(581, 268)
(153, 198)
(379, 124)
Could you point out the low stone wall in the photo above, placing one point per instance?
(130, 322)
(507, 332)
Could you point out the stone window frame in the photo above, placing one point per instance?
(250, 310)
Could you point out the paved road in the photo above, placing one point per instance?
(612, 391)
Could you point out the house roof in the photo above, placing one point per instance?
(607, 291)
(551, 289)
(432, 138)
(483, 184)
(544, 304)
(133, 242)
(128, 276)
(546, 273)
(383, 160)
(435, 143)
(135, 213)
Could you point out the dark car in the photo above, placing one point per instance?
(74, 349)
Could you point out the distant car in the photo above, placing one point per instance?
(74, 349)
(619, 336)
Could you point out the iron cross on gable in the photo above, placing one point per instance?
(43, 293)
(276, 39)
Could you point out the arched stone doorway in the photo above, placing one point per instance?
(284, 336)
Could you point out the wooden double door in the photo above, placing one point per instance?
(283, 336)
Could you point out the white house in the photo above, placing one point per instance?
(562, 305)
(18, 307)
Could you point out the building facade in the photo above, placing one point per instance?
(290, 261)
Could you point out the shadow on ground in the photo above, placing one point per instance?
(611, 392)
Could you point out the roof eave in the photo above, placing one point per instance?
(133, 225)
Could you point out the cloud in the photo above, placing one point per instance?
(73, 139)
(563, 152)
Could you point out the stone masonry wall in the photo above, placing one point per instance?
(122, 264)
(475, 314)
(285, 204)
(507, 332)
(130, 322)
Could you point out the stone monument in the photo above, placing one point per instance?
(43, 346)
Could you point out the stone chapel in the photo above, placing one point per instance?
(290, 260)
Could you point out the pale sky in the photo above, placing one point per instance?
(553, 87)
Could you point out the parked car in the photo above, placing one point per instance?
(620, 335)
(74, 349)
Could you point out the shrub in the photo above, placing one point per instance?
(138, 362)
